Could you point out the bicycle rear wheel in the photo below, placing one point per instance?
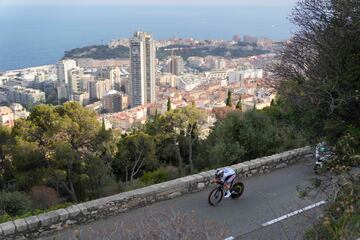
(237, 189)
(215, 196)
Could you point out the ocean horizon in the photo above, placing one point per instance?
(39, 35)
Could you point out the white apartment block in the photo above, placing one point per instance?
(188, 82)
(62, 70)
(75, 77)
(98, 88)
(238, 76)
(26, 96)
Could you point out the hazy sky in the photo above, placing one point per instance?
(151, 2)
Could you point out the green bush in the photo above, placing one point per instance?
(242, 136)
(348, 147)
(14, 203)
(110, 187)
(6, 217)
(157, 176)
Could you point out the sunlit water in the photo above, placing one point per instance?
(33, 35)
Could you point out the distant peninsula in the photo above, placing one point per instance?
(99, 52)
(102, 52)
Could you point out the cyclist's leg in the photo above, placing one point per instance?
(230, 180)
(227, 183)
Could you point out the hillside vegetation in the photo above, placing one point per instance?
(99, 52)
(320, 69)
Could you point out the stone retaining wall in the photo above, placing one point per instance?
(35, 226)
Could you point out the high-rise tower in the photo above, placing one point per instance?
(63, 68)
(142, 74)
(176, 65)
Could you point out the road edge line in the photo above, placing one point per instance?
(286, 216)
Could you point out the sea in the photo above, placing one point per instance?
(34, 35)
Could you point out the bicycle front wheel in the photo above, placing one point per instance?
(215, 196)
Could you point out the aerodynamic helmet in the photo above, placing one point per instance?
(219, 173)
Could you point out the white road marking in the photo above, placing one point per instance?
(229, 238)
(293, 213)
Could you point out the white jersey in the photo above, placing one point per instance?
(228, 172)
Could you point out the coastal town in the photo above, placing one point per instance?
(126, 92)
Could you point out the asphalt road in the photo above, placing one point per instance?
(266, 197)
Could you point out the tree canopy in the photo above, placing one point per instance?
(320, 66)
(245, 136)
(58, 146)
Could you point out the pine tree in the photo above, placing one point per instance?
(103, 127)
(168, 104)
(156, 115)
(239, 104)
(228, 100)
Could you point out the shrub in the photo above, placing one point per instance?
(6, 217)
(162, 174)
(109, 188)
(348, 147)
(244, 136)
(14, 203)
(44, 196)
(157, 176)
(173, 172)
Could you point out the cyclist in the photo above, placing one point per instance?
(226, 175)
(322, 149)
